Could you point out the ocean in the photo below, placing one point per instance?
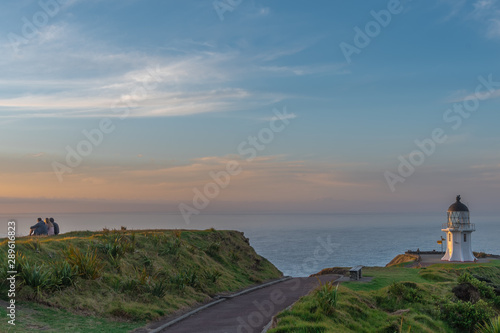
(300, 245)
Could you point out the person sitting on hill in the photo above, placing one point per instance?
(39, 229)
(56, 226)
(50, 227)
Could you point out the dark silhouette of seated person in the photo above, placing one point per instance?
(39, 229)
(56, 226)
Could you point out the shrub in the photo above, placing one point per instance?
(146, 260)
(191, 279)
(178, 282)
(392, 327)
(493, 326)
(177, 233)
(211, 276)
(484, 289)
(133, 239)
(466, 292)
(116, 246)
(128, 243)
(20, 260)
(156, 239)
(114, 250)
(115, 263)
(143, 276)
(130, 284)
(115, 283)
(36, 276)
(480, 255)
(185, 278)
(465, 315)
(170, 248)
(326, 297)
(234, 256)
(405, 291)
(4, 283)
(158, 288)
(88, 264)
(3, 270)
(64, 273)
(34, 244)
(213, 249)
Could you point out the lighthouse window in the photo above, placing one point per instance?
(465, 237)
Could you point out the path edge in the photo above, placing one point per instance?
(221, 299)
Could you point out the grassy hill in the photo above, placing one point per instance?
(439, 298)
(115, 281)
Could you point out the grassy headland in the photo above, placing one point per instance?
(439, 298)
(115, 281)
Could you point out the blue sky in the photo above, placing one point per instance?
(200, 86)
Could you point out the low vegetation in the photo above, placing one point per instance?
(439, 298)
(492, 326)
(100, 279)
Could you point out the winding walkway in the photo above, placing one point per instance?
(246, 313)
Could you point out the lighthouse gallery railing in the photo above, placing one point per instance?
(460, 226)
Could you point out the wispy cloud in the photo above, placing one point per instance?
(37, 155)
(157, 104)
(282, 52)
(456, 7)
(204, 81)
(337, 69)
(182, 85)
(485, 12)
(264, 11)
(488, 11)
(494, 27)
(482, 7)
(287, 116)
(464, 95)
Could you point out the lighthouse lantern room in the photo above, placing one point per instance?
(458, 233)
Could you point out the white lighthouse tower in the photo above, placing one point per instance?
(458, 233)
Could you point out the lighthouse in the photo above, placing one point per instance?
(458, 233)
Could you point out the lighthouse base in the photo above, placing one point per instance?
(458, 247)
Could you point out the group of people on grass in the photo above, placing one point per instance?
(49, 227)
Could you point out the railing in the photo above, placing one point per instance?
(460, 226)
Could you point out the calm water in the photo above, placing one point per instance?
(301, 244)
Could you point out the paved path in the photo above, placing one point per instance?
(430, 259)
(251, 312)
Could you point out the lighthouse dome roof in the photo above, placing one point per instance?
(458, 206)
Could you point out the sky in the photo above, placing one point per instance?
(200, 106)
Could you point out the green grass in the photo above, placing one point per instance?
(385, 276)
(129, 276)
(399, 299)
(35, 317)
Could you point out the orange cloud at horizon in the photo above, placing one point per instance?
(265, 183)
(270, 179)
